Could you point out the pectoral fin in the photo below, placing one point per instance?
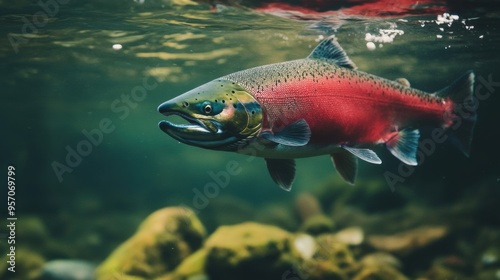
(364, 154)
(295, 134)
(282, 171)
(346, 165)
(403, 145)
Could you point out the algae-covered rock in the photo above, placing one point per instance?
(191, 267)
(337, 252)
(321, 270)
(439, 271)
(380, 273)
(27, 265)
(162, 241)
(381, 259)
(325, 257)
(307, 206)
(406, 242)
(318, 224)
(314, 221)
(249, 251)
(351, 236)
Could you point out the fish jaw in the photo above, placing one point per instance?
(220, 115)
(196, 132)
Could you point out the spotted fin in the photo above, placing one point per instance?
(364, 154)
(282, 172)
(295, 134)
(403, 145)
(346, 165)
(331, 50)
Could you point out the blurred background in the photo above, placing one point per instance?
(80, 84)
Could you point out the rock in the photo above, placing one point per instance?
(28, 265)
(490, 258)
(307, 206)
(33, 230)
(320, 270)
(351, 236)
(256, 251)
(438, 271)
(326, 258)
(336, 252)
(490, 274)
(380, 273)
(314, 221)
(305, 245)
(162, 241)
(191, 267)
(249, 251)
(68, 270)
(457, 263)
(318, 224)
(379, 259)
(406, 242)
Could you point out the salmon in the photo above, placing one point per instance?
(319, 105)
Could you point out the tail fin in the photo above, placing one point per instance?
(464, 120)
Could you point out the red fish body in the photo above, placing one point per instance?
(340, 105)
(314, 106)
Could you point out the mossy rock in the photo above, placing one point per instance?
(249, 251)
(321, 270)
(318, 224)
(28, 265)
(438, 271)
(337, 252)
(380, 273)
(162, 241)
(192, 267)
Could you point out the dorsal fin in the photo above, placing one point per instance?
(331, 50)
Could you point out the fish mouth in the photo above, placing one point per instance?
(194, 130)
(204, 133)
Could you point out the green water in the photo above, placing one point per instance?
(80, 90)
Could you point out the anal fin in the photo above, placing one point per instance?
(403, 145)
(364, 154)
(282, 172)
(346, 165)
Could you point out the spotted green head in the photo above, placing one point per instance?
(220, 114)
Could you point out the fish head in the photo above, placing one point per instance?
(221, 115)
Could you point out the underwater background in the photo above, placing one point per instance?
(81, 83)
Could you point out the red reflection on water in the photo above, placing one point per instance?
(310, 9)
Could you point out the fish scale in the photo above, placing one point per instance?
(357, 97)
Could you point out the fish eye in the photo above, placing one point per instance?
(207, 108)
